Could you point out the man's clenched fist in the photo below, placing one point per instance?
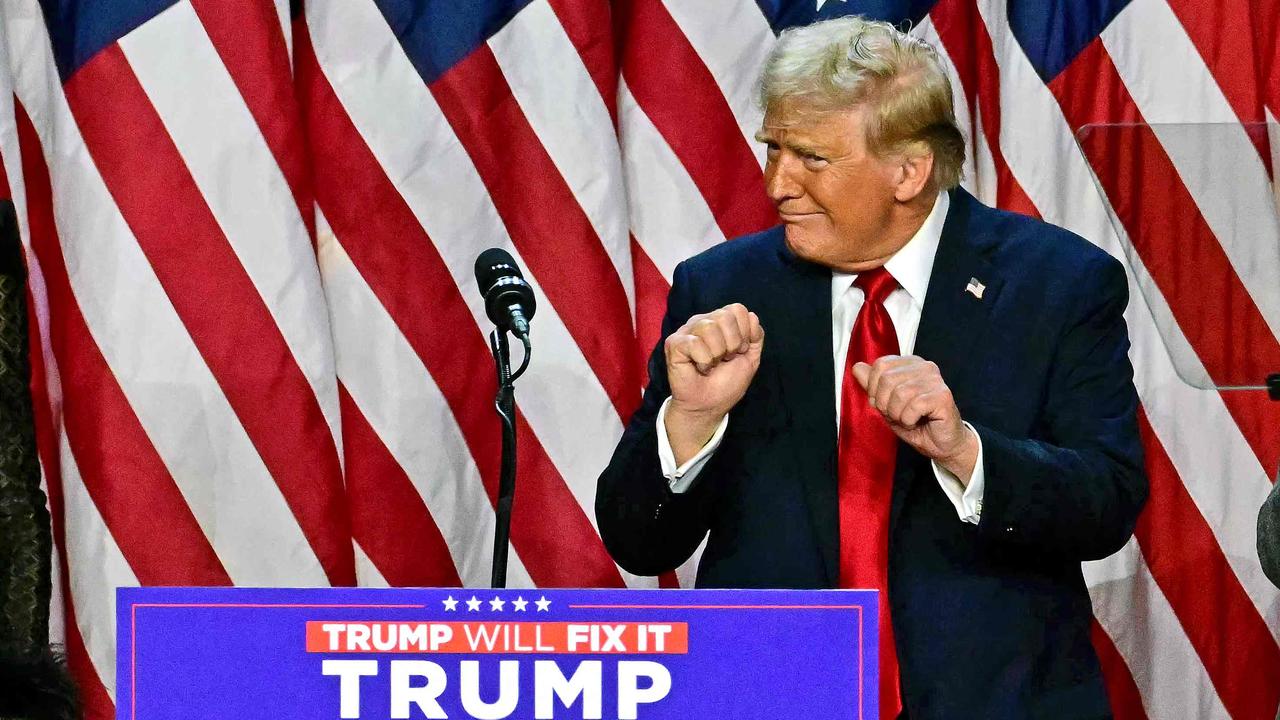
(911, 395)
(711, 360)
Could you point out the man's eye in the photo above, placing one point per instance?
(814, 160)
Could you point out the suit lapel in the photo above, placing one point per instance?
(808, 386)
(963, 287)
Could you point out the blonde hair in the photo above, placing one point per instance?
(839, 64)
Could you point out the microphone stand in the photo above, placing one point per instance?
(505, 403)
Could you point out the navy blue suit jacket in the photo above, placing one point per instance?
(992, 620)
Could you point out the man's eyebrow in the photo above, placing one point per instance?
(798, 146)
(791, 144)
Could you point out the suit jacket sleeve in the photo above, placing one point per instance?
(1075, 491)
(1269, 535)
(647, 528)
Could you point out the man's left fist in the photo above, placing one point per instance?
(913, 398)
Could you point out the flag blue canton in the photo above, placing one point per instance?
(437, 35)
(1052, 33)
(80, 29)
(783, 14)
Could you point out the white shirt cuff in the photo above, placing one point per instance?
(681, 478)
(967, 500)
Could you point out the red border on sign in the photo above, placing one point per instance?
(133, 626)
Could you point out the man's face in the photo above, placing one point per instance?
(833, 195)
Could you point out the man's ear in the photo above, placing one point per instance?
(912, 176)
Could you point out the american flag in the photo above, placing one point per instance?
(259, 353)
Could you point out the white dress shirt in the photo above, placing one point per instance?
(911, 267)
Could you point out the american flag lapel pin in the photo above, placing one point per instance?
(975, 287)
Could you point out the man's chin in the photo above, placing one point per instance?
(801, 244)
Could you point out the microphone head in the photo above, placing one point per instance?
(508, 298)
(493, 264)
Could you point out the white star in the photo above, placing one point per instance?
(450, 604)
(824, 2)
(473, 604)
(543, 604)
(496, 604)
(519, 604)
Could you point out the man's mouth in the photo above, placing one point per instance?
(794, 216)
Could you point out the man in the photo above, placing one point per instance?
(942, 408)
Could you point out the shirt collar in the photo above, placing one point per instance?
(913, 264)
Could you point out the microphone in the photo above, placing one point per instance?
(508, 299)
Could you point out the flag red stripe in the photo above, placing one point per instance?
(587, 25)
(1268, 30)
(1230, 47)
(965, 38)
(388, 517)
(218, 303)
(95, 703)
(108, 442)
(5, 192)
(249, 39)
(547, 226)
(41, 406)
(392, 252)
(651, 304)
(1122, 691)
(677, 92)
(1204, 592)
(1212, 307)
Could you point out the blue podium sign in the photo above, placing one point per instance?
(378, 654)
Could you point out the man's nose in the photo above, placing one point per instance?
(780, 181)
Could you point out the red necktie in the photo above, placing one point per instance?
(868, 453)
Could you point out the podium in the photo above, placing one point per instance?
(374, 653)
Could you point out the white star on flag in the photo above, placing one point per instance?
(824, 2)
(543, 604)
(497, 604)
(473, 604)
(519, 604)
(450, 604)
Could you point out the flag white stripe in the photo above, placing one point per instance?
(401, 121)
(284, 12)
(96, 568)
(177, 400)
(1198, 433)
(238, 175)
(670, 218)
(1217, 163)
(569, 116)
(978, 169)
(367, 573)
(402, 404)
(732, 56)
(1165, 667)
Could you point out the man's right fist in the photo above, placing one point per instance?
(711, 360)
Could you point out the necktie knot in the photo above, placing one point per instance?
(877, 283)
